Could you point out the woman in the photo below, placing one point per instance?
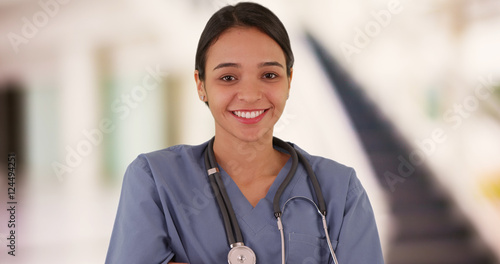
(170, 211)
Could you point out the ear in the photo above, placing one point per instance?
(200, 87)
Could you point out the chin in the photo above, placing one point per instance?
(255, 136)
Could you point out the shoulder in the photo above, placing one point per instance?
(169, 159)
(171, 155)
(331, 172)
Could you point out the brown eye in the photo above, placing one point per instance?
(270, 75)
(228, 78)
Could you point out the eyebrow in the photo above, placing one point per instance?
(226, 64)
(271, 63)
(236, 65)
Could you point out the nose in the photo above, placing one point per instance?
(250, 91)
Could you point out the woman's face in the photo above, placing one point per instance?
(246, 84)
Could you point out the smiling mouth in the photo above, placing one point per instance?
(248, 114)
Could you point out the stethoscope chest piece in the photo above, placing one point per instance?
(240, 253)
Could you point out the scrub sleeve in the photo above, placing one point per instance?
(359, 241)
(139, 234)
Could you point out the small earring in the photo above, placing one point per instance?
(203, 98)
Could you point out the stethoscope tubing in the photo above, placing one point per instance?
(289, 176)
(225, 206)
(233, 231)
(325, 229)
(295, 158)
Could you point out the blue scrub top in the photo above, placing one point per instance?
(167, 212)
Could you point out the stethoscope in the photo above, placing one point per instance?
(240, 253)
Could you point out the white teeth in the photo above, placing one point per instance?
(248, 115)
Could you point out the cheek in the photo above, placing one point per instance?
(280, 95)
(218, 98)
(278, 102)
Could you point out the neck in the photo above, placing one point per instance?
(248, 161)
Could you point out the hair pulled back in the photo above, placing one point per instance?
(244, 14)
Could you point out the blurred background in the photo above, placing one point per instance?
(406, 92)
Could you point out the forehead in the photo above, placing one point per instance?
(244, 45)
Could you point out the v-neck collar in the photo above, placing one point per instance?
(262, 214)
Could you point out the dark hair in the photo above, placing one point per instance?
(244, 14)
